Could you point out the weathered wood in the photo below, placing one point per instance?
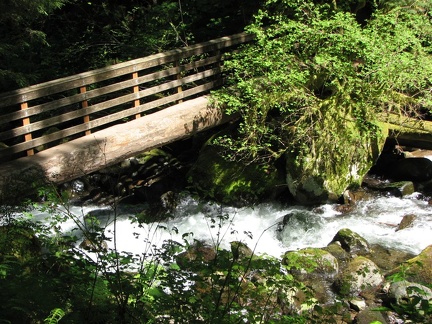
(105, 90)
(66, 107)
(86, 78)
(109, 146)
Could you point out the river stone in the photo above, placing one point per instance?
(240, 250)
(370, 315)
(232, 182)
(198, 253)
(351, 242)
(419, 268)
(387, 258)
(317, 175)
(360, 275)
(311, 263)
(407, 221)
(411, 169)
(401, 291)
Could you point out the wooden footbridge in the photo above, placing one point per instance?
(69, 127)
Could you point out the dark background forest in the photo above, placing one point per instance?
(42, 40)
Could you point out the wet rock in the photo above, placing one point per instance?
(94, 246)
(240, 250)
(351, 242)
(316, 269)
(360, 275)
(407, 221)
(352, 197)
(311, 263)
(198, 253)
(411, 169)
(339, 253)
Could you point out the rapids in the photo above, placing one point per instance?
(259, 226)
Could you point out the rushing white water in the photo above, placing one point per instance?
(374, 219)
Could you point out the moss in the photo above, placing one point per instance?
(232, 182)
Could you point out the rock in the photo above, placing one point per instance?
(351, 242)
(339, 253)
(240, 250)
(316, 269)
(404, 291)
(317, 174)
(93, 246)
(407, 221)
(232, 182)
(198, 253)
(311, 263)
(370, 316)
(357, 304)
(411, 169)
(387, 259)
(417, 269)
(360, 275)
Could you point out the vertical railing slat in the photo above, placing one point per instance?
(136, 90)
(179, 76)
(84, 105)
(26, 121)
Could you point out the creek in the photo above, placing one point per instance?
(375, 219)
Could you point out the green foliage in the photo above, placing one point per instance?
(21, 38)
(187, 282)
(416, 307)
(316, 80)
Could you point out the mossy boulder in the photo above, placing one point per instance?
(322, 172)
(360, 275)
(311, 263)
(418, 269)
(351, 242)
(232, 182)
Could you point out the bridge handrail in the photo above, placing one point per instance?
(74, 106)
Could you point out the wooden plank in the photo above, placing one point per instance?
(90, 153)
(7, 152)
(53, 121)
(91, 94)
(86, 78)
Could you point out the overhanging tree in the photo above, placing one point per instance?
(317, 78)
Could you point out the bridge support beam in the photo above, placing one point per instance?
(109, 146)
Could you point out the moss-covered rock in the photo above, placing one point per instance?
(360, 275)
(323, 172)
(311, 263)
(351, 242)
(232, 182)
(417, 269)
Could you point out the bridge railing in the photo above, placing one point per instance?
(47, 114)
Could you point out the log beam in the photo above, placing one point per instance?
(109, 146)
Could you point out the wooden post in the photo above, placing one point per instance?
(136, 90)
(179, 76)
(84, 104)
(26, 121)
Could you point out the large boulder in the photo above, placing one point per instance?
(316, 176)
(316, 269)
(351, 242)
(417, 269)
(232, 182)
(361, 275)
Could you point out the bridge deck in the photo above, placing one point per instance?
(109, 146)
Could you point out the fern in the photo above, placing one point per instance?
(55, 316)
